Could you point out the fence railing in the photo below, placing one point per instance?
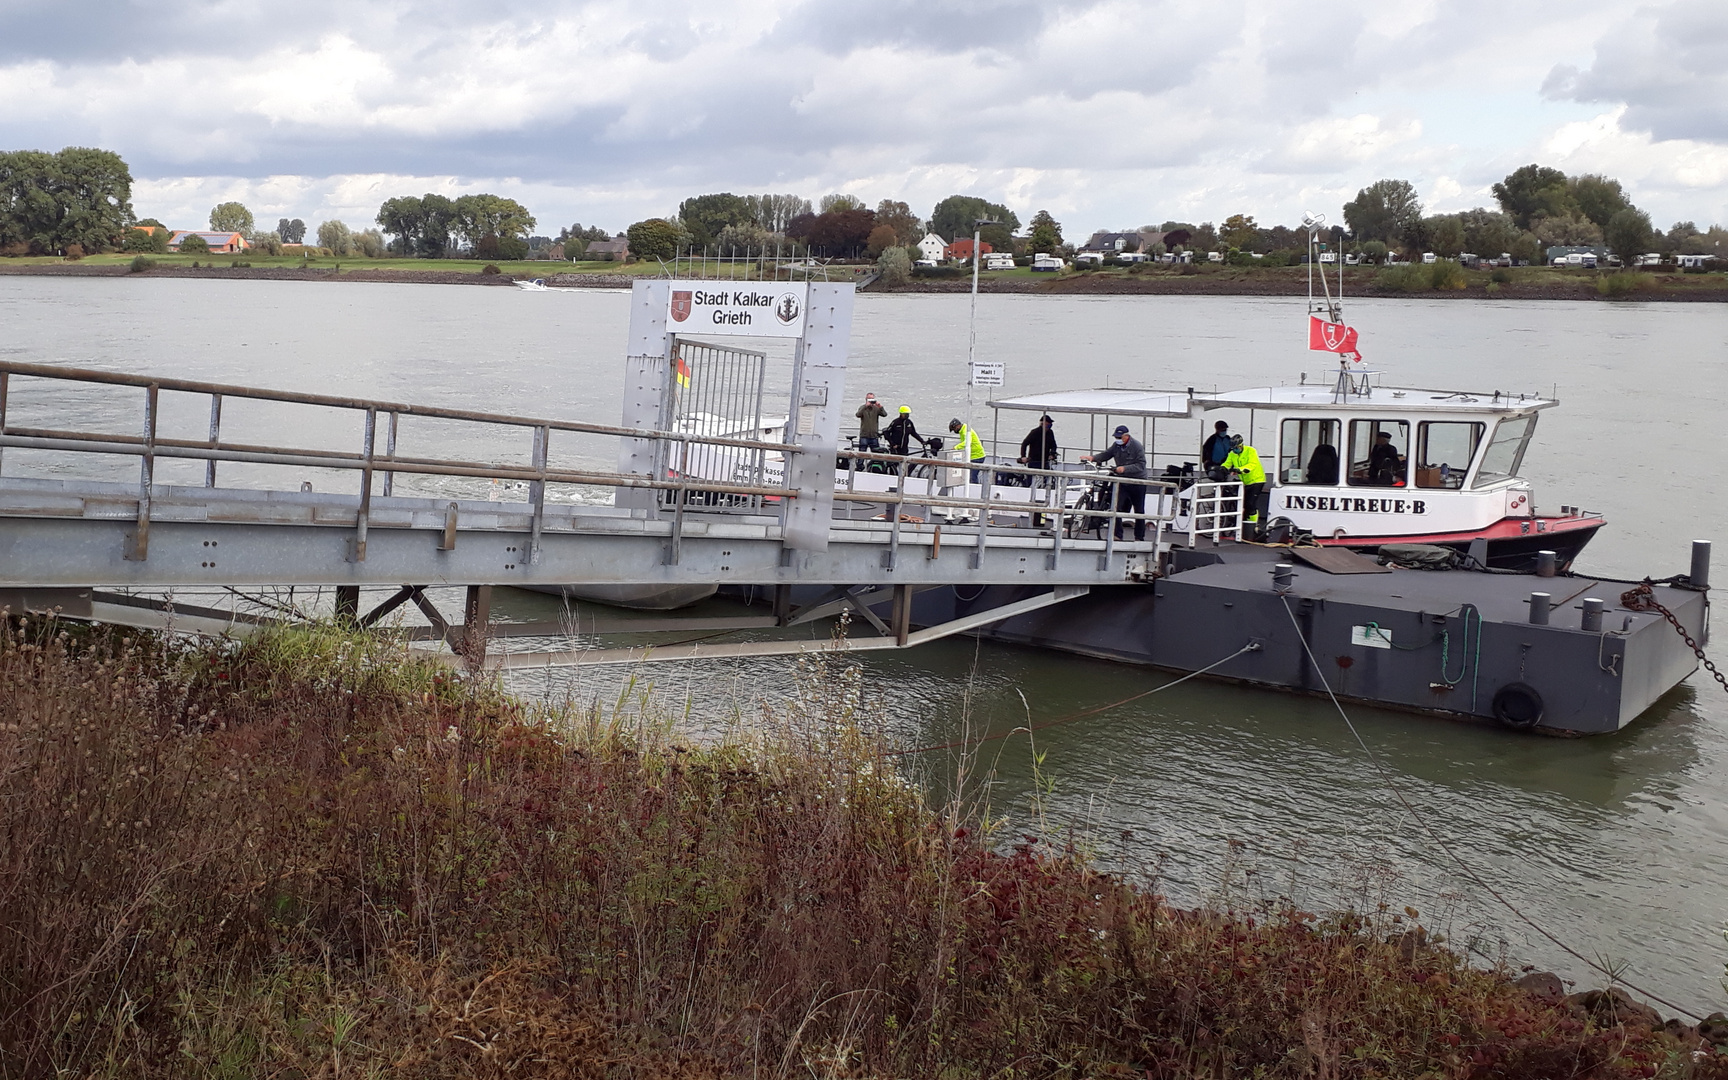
(149, 446)
(1008, 499)
(1048, 493)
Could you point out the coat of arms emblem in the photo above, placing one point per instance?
(680, 305)
(788, 309)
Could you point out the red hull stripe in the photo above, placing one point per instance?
(1505, 529)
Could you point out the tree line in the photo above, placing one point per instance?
(1539, 208)
(78, 201)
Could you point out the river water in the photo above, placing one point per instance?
(1618, 845)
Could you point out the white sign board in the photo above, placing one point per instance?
(738, 309)
(988, 373)
(1372, 636)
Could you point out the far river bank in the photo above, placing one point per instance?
(1525, 283)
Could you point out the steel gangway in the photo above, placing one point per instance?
(131, 482)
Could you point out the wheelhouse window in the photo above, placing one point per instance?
(1308, 452)
(1379, 452)
(1444, 449)
(1505, 453)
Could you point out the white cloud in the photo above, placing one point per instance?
(1107, 112)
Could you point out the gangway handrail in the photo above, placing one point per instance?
(190, 386)
(417, 466)
(694, 492)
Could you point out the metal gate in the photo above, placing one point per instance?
(716, 391)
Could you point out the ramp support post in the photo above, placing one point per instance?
(348, 604)
(902, 619)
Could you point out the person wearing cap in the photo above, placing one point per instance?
(870, 416)
(1038, 450)
(1215, 449)
(1385, 467)
(1130, 461)
(971, 447)
(1244, 464)
(902, 434)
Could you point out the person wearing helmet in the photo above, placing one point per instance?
(1130, 461)
(902, 433)
(1244, 464)
(971, 447)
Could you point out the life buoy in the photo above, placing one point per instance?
(1518, 705)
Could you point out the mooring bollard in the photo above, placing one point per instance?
(1539, 608)
(1592, 615)
(1546, 563)
(1699, 578)
(1282, 574)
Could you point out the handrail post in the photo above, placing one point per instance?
(891, 557)
(536, 488)
(983, 519)
(146, 478)
(4, 376)
(675, 550)
(1113, 516)
(215, 438)
(390, 452)
(362, 518)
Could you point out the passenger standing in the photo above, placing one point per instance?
(1244, 464)
(1214, 450)
(1130, 459)
(1038, 450)
(870, 416)
(971, 447)
(902, 433)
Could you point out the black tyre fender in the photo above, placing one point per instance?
(1518, 705)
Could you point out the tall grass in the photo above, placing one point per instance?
(1625, 282)
(315, 855)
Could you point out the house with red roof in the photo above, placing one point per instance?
(221, 243)
(962, 249)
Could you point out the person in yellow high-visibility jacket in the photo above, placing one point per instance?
(1243, 463)
(971, 447)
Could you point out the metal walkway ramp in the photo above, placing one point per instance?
(564, 528)
(137, 482)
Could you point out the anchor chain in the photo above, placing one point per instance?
(1643, 598)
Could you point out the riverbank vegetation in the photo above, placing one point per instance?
(317, 855)
(77, 203)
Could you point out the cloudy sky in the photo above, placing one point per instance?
(1108, 113)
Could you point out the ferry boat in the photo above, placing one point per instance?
(1446, 471)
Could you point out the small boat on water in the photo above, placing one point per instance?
(537, 285)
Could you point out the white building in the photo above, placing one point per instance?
(931, 247)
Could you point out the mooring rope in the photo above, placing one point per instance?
(1439, 841)
(1252, 646)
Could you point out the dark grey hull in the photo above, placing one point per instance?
(1556, 678)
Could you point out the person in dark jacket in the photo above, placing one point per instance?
(1215, 449)
(1323, 465)
(902, 433)
(1385, 467)
(1038, 450)
(1130, 461)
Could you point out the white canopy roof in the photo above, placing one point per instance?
(1317, 396)
(1107, 401)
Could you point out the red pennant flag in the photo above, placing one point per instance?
(1334, 337)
